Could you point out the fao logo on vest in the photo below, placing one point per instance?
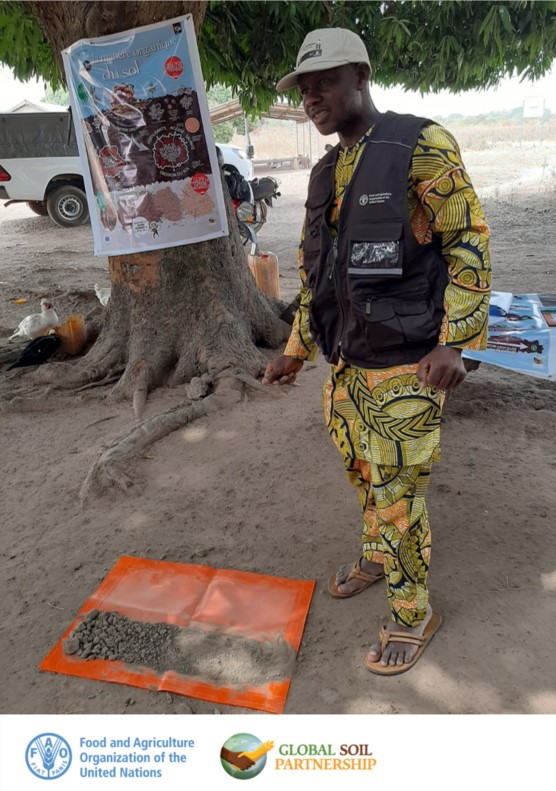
(48, 756)
(374, 197)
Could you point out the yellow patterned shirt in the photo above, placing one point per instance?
(442, 203)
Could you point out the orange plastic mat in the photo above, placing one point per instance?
(255, 607)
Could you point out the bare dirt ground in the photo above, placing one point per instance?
(262, 489)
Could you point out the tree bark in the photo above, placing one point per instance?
(176, 313)
(64, 23)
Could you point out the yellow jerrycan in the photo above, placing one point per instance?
(264, 268)
(72, 334)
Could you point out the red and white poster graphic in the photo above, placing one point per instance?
(200, 183)
(174, 67)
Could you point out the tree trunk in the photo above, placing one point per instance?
(64, 23)
(176, 313)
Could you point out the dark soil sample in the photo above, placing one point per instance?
(149, 209)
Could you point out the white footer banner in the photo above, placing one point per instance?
(382, 752)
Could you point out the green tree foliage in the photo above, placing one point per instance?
(420, 45)
(59, 96)
(23, 47)
(219, 94)
(223, 132)
(423, 45)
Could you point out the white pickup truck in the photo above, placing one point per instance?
(40, 165)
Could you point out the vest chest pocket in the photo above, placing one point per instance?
(376, 251)
(315, 234)
(312, 237)
(315, 205)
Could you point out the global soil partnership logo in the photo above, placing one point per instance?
(48, 756)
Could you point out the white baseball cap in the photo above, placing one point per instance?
(323, 49)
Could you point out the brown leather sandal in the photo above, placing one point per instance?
(356, 573)
(404, 637)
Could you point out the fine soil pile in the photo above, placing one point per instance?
(261, 489)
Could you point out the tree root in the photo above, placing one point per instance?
(38, 404)
(10, 353)
(52, 397)
(101, 420)
(110, 379)
(253, 384)
(141, 388)
(108, 470)
(198, 387)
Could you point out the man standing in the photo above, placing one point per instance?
(395, 272)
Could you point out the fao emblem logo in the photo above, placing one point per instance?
(363, 200)
(48, 756)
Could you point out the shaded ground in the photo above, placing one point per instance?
(262, 489)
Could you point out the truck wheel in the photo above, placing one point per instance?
(67, 206)
(38, 206)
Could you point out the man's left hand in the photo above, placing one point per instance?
(442, 368)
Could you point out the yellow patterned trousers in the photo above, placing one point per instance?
(396, 531)
(386, 427)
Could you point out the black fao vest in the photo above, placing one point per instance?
(377, 294)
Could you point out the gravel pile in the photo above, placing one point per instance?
(108, 635)
(212, 656)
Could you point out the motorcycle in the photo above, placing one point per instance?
(243, 203)
(251, 212)
(250, 201)
(265, 190)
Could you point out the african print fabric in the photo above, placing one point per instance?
(383, 416)
(396, 531)
(384, 423)
(388, 416)
(442, 203)
(400, 422)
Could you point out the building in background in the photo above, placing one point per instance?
(27, 106)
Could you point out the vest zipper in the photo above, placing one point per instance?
(332, 266)
(334, 273)
(333, 270)
(336, 238)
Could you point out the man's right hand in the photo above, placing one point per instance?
(282, 371)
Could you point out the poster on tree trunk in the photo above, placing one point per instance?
(145, 139)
